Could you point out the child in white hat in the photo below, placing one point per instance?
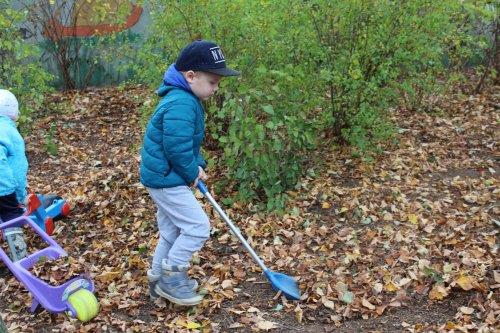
(13, 171)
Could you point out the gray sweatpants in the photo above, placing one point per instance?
(182, 223)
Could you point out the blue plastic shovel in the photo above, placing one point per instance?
(286, 284)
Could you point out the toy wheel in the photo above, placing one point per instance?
(49, 226)
(85, 304)
(65, 209)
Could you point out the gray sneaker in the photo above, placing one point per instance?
(175, 286)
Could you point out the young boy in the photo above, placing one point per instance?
(171, 162)
(13, 172)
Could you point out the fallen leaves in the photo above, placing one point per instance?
(413, 218)
(109, 276)
(266, 325)
(344, 294)
(391, 287)
(466, 282)
(328, 303)
(367, 304)
(326, 205)
(190, 325)
(466, 310)
(227, 284)
(299, 313)
(362, 239)
(438, 292)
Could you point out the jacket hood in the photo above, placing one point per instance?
(173, 78)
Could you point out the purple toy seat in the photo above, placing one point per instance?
(52, 298)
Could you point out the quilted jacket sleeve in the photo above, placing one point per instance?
(201, 161)
(7, 180)
(178, 131)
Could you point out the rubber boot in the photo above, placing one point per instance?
(175, 285)
(152, 280)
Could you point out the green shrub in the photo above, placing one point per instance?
(308, 68)
(20, 70)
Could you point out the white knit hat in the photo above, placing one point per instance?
(8, 104)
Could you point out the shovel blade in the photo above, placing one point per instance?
(286, 284)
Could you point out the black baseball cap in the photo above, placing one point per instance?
(206, 56)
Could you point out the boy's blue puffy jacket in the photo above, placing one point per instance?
(170, 154)
(13, 162)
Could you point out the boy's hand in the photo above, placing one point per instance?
(201, 175)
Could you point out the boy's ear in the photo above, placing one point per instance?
(189, 75)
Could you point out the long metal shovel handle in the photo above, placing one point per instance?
(203, 188)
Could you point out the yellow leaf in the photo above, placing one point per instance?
(438, 292)
(189, 324)
(390, 286)
(466, 282)
(413, 218)
(109, 276)
(450, 325)
(192, 325)
(343, 209)
(298, 313)
(326, 205)
(108, 222)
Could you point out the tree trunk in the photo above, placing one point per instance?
(496, 57)
(493, 55)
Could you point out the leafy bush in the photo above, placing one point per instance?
(265, 121)
(374, 53)
(308, 68)
(20, 71)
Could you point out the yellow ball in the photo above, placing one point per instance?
(85, 304)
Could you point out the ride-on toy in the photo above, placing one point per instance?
(75, 297)
(43, 210)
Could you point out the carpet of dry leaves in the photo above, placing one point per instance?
(406, 243)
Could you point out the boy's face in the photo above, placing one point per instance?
(203, 84)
